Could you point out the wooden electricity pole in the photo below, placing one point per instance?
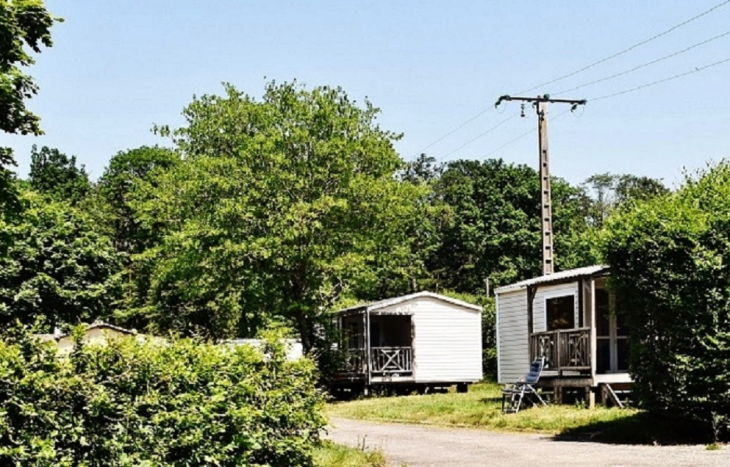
(541, 104)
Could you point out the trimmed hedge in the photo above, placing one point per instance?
(178, 403)
(670, 269)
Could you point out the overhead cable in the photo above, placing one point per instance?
(527, 133)
(664, 80)
(456, 129)
(480, 135)
(628, 49)
(625, 72)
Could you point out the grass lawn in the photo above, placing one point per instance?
(330, 454)
(481, 408)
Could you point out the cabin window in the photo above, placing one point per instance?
(560, 312)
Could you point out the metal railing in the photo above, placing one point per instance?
(563, 349)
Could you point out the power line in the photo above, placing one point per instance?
(480, 135)
(628, 49)
(610, 57)
(527, 133)
(462, 125)
(664, 80)
(625, 72)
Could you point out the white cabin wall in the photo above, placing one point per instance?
(447, 341)
(512, 344)
(539, 323)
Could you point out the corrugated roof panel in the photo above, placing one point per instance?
(558, 276)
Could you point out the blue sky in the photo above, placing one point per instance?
(117, 68)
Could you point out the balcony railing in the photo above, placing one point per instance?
(389, 360)
(564, 349)
(383, 361)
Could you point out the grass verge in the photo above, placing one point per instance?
(481, 408)
(330, 454)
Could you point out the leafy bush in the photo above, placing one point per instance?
(177, 403)
(670, 261)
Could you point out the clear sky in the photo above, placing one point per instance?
(119, 67)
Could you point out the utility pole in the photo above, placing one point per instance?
(541, 105)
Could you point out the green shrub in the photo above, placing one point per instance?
(176, 403)
(670, 269)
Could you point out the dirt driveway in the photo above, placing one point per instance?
(426, 446)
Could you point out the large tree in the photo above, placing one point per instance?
(55, 174)
(278, 208)
(23, 24)
(56, 269)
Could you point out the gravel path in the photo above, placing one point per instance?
(426, 446)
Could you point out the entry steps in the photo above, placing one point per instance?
(617, 394)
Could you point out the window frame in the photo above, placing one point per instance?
(560, 294)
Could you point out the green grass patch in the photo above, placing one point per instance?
(481, 408)
(329, 454)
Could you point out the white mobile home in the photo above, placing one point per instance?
(423, 339)
(568, 318)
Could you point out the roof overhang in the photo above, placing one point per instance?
(380, 305)
(569, 275)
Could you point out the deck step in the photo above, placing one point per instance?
(611, 394)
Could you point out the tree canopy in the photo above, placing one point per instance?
(495, 232)
(126, 169)
(55, 174)
(24, 24)
(56, 269)
(279, 207)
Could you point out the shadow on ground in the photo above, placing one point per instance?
(641, 428)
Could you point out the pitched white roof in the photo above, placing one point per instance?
(394, 301)
(558, 276)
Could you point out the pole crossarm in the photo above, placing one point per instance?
(544, 98)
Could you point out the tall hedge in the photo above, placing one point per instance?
(178, 403)
(670, 269)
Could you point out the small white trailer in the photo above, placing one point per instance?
(417, 341)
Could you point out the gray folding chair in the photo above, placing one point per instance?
(517, 391)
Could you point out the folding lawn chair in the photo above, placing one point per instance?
(517, 391)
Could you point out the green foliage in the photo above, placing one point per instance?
(55, 269)
(669, 258)
(611, 191)
(9, 202)
(23, 23)
(125, 170)
(280, 207)
(176, 403)
(55, 174)
(495, 230)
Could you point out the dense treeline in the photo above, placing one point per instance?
(273, 212)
